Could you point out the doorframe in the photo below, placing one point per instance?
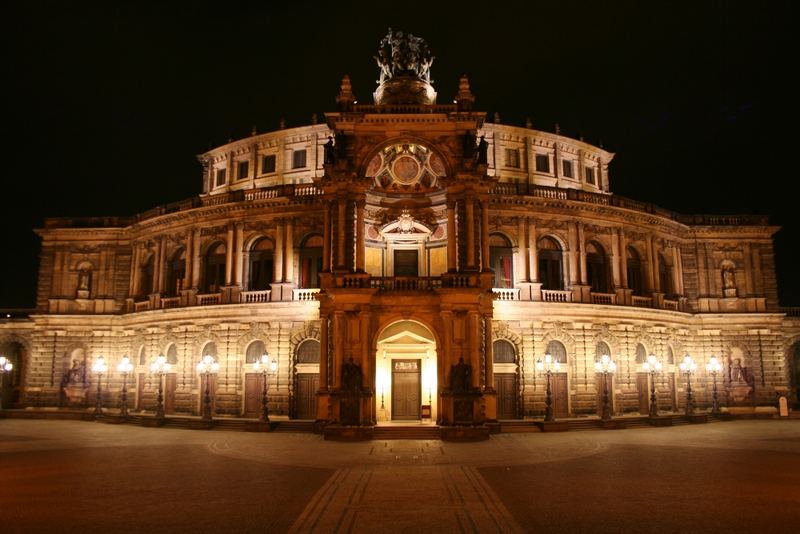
(418, 373)
(387, 350)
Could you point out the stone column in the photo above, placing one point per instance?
(747, 255)
(616, 280)
(360, 251)
(158, 286)
(238, 254)
(196, 259)
(488, 353)
(452, 262)
(323, 353)
(326, 238)
(584, 277)
(470, 232)
(524, 263)
(339, 333)
(229, 247)
(533, 250)
(134, 278)
(288, 272)
(277, 260)
(341, 205)
(478, 377)
(623, 258)
(572, 257)
(677, 269)
(485, 251)
(188, 252)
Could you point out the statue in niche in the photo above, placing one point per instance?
(483, 151)
(461, 377)
(351, 376)
(84, 283)
(728, 279)
(330, 157)
(76, 375)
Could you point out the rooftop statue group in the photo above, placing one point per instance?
(404, 55)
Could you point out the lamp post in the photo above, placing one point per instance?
(652, 366)
(713, 367)
(99, 367)
(605, 366)
(5, 367)
(548, 366)
(265, 366)
(124, 368)
(206, 367)
(687, 367)
(160, 367)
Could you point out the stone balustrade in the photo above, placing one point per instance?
(604, 298)
(556, 295)
(642, 302)
(209, 299)
(255, 297)
(170, 302)
(305, 294)
(505, 293)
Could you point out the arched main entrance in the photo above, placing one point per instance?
(406, 373)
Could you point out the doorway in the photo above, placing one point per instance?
(406, 390)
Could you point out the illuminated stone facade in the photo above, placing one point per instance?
(402, 237)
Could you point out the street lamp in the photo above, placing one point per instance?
(99, 367)
(124, 368)
(652, 366)
(160, 367)
(548, 366)
(687, 367)
(206, 367)
(714, 366)
(265, 366)
(5, 367)
(605, 366)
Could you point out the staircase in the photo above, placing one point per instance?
(406, 432)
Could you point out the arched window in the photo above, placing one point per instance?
(254, 351)
(146, 276)
(597, 267)
(641, 353)
(260, 265)
(142, 355)
(601, 349)
(635, 278)
(557, 351)
(501, 260)
(665, 275)
(310, 261)
(670, 355)
(176, 272)
(550, 264)
(172, 354)
(308, 351)
(210, 349)
(215, 268)
(503, 352)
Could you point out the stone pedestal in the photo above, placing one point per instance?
(659, 421)
(697, 418)
(612, 424)
(76, 394)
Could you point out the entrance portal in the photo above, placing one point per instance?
(406, 373)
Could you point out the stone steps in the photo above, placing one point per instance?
(406, 432)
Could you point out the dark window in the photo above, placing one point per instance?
(503, 352)
(550, 271)
(268, 164)
(665, 276)
(501, 260)
(406, 263)
(243, 170)
(299, 159)
(512, 157)
(176, 272)
(220, 177)
(311, 262)
(542, 163)
(596, 268)
(261, 266)
(308, 351)
(215, 269)
(634, 270)
(567, 166)
(589, 175)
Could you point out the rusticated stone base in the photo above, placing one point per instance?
(659, 421)
(553, 426)
(347, 433)
(494, 427)
(201, 425)
(613, 424)
(464, 433)
(258, 426)
(697, 418)
(153, 421)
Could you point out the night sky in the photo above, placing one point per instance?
(107, 105)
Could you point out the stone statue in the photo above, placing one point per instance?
(728, 279)
(483, 151)
(403, 55)
(351, 376)
(76, 375)
(84, 279)
(461, 376)
(330, 157)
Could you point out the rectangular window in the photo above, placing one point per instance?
(268, 164)
(512, 158)
(589, 175)
(542, 163)
(567, 166)
(220, 177)
(299, 159)
(243, 170)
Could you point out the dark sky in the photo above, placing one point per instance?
(107, 105)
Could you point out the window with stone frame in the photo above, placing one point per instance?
(268, 164)
(308, 351)
(542, 163)
(172, 354)
(503, 351)
(254, 351)
(557, 351)
(589, 172)
(220, 177)
(566, 167)
(242, 169)
(512, 157)
(641, 353)
(299, 159)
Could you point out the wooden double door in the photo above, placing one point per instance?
(505, 384)
(147, 392)
(305, 400)
(668, 402)
(406, 390)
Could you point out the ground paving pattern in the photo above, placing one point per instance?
(741, 476)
